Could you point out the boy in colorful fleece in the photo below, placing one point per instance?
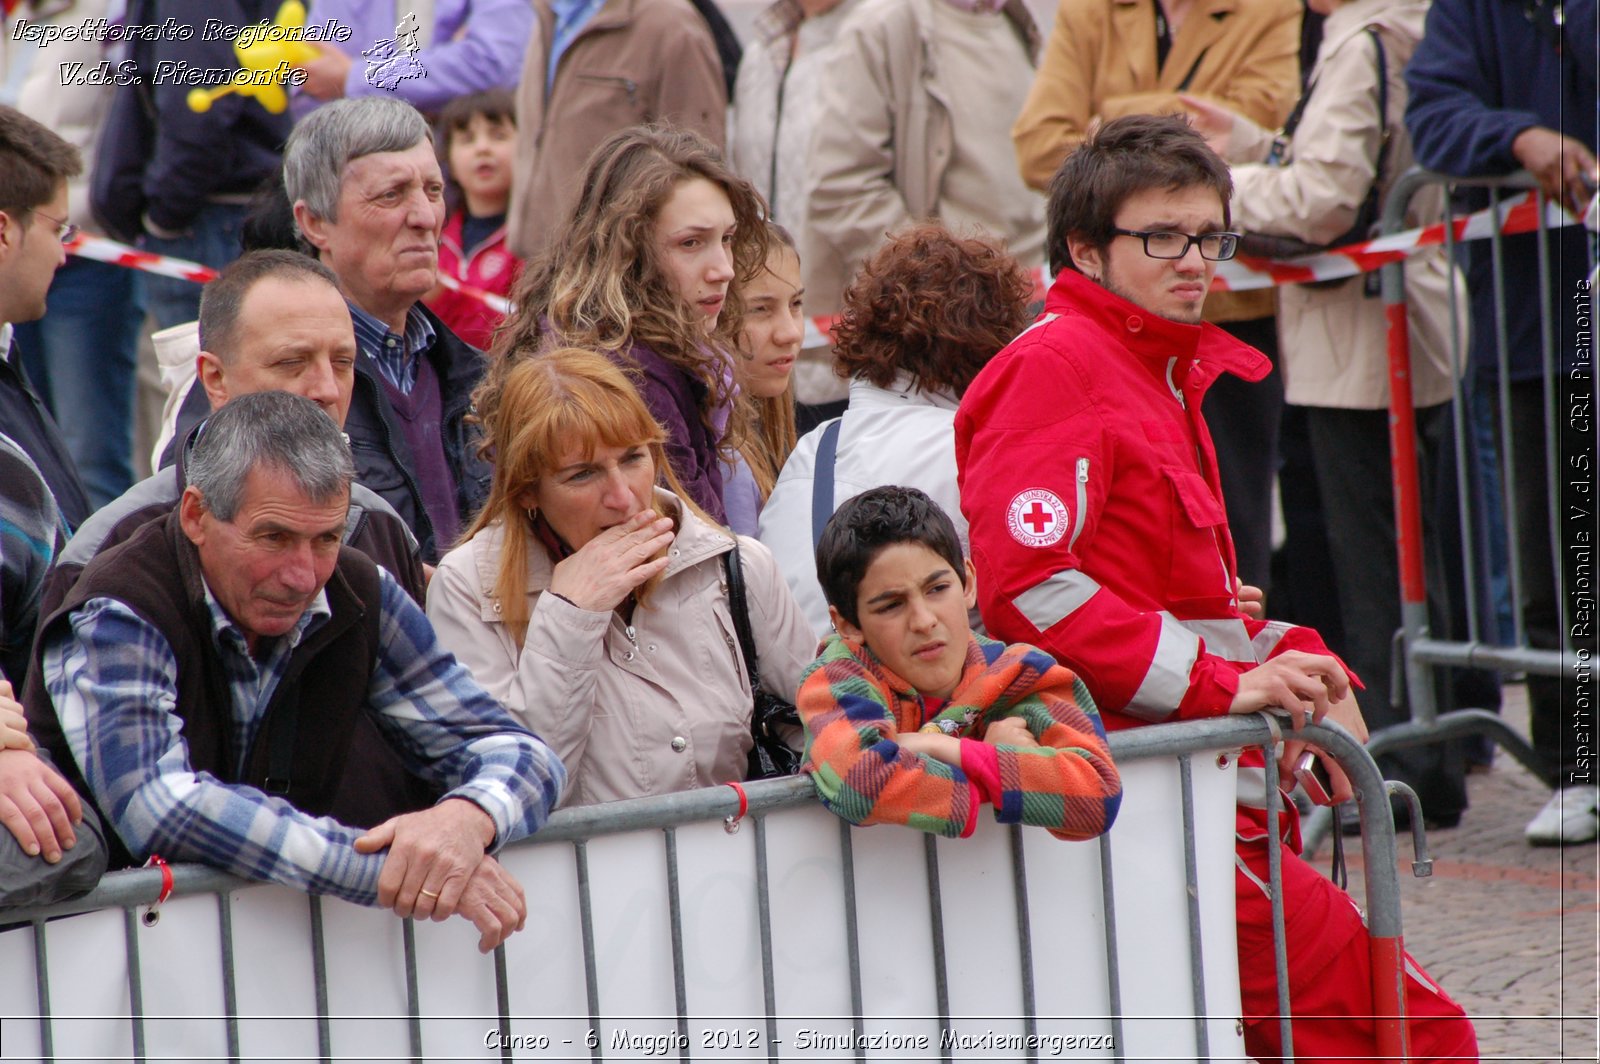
(912, 719)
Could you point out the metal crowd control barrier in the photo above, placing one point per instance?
(659, 929)
(1424, 649)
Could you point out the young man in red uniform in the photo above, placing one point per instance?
(1090, 483)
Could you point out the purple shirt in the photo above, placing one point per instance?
(476, 45)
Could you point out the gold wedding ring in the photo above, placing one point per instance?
(429, 893)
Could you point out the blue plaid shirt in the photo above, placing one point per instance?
(113, 679)
(397, 356)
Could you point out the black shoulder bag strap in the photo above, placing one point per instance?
(741, 614)
(822, 480)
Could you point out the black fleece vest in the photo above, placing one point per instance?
(316, 744)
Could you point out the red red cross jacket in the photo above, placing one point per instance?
(1097, 526)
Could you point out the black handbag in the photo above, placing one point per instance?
(769, 755)
(1281, 247)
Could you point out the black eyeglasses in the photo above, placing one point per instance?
(66, 232)
(1170, 244)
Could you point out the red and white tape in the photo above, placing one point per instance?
(101, 249)
(1509, 218)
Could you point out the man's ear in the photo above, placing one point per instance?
(209, 371)
(844, 627)
(1087, 256)
(10, 232)
(969, 584)
(312, 228)
(191, 508)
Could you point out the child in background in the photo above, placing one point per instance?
(774, 327)
(475, 138)
(910, 718)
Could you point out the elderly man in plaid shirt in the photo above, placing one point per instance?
(210, 682)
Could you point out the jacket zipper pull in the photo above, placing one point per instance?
(1082, 501)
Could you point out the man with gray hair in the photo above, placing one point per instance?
(369, 197)
(203, 680)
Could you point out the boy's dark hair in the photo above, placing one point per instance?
(495, 105)
(1122, 158)
(868, 523)
(34, 161)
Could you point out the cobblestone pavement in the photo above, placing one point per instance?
(1509, 930)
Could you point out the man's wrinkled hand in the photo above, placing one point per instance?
(327, 73)
(13, 723)
(1564, 167)
(1252, 600)
(494, 902)
(432, 855)
(37, 805)
(1347, 714)
(1304, 684)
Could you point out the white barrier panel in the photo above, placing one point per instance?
(1035, 980)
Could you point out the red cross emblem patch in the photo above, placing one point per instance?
(1037, 518)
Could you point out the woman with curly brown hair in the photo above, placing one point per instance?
(923, 316)
(646, 272)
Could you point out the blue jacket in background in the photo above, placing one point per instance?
(1483, 73)
(158, 156)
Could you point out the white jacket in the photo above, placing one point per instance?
(661, 707)
(898, 435)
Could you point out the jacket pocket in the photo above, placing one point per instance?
(1197, 568)
(599, 97)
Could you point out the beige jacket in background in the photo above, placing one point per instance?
(1100, 63)
(617, 709)
(1333, 341)
(636, 61)
(884, 138)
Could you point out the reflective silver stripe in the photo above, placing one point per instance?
(1238, 862)
(1226, 637)
(1266, 640)
(1052, 601)
(1046, 320)
(1167, 680)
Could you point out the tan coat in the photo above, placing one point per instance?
(636, 61)
(884, 139)
(1100, 62)
(665, 709)
(1334, 340)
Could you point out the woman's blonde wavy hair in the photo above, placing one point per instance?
(600, 284)
(543, 407)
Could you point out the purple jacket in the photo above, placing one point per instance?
(675, 398)
(488, 54)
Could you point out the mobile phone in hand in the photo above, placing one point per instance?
(1313, 777)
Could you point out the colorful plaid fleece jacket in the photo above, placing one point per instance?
(853, 709)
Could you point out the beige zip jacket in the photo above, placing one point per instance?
(659, 707)
(1333, 341)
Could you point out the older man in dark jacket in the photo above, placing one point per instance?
(369, 197)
